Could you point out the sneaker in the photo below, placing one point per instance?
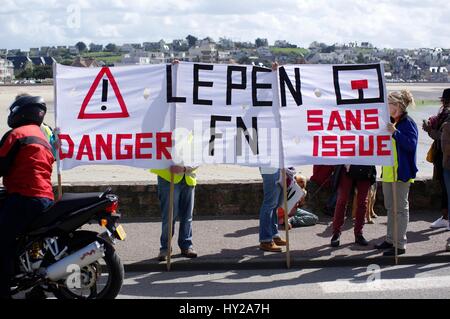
(391, 252)
(335, 240)
(360, 240)
(162, 256)
(189, 253)
(270, 246)
(279, 242)
(440, 223)
(384, 245)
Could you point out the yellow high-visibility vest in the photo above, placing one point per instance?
(191, 179)
(390, 172)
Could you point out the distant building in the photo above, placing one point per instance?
(151, 46)
(438, 69)
(223, 56)
(206, 52)
(20, 62)
(85, 62)
(35, 52)
(264, 52)
(42, 61)
(136, 59)
(366, 45)
(95, 47)
(284, 44)
(6, 71)
(226, 44)
(180, 45)
(23, 62)
(73, 50)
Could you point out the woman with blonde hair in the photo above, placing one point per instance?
(404, 141)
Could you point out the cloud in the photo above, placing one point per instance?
(385, 23)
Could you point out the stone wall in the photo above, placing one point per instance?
(241, 199)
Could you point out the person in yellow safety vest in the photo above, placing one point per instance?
(183, 207)
(404, 141)
(50, 135)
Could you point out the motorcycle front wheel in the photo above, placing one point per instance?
(102, 279)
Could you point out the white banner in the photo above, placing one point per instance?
(114, 116)
(222, 114)
(226, 115)
(334, 114)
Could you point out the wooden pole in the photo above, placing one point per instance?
(170, 226)
(60, 192)
(56, 133)
(394, 201)
(58, 163)
(286, 223)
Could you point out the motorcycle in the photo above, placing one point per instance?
(56, 255)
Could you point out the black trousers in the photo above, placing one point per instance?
(16, 214)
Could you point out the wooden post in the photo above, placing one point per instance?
(60, 192)
(56, 133)
(394, 213)
(286, 223)
(170, 226)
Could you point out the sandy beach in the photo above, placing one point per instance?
(214, 173)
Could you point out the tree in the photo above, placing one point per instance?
(81, 46)
(261, 42)
(361, 58)
(245, 60)
(329, 49)
(95, 47)
(111, 47)
(191, 40)
(26, 73)
(43, 72)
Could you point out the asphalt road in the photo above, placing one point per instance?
(373, 282)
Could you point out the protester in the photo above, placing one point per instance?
(183, 207)
(298, 217)
(433, 127)
(404, 141)
(26, 167)
(362, 176)
(323, 178)
(445, 146)
(269, 238)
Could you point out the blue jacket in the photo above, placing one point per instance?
(406, 138)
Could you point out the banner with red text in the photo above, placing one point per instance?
(116, 116)
(194, 114)
(334, 114)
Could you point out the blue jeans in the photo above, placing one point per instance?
(16, 215)
(273, 198)
(446, 174)
(183, 208)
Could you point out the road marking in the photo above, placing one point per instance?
(349, 286)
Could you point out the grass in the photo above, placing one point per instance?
(293, 51)
(427, 102)
(107, 57)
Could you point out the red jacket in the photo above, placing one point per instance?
(26, 162)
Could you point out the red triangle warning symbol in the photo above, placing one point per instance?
(105, 115)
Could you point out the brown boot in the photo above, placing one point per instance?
(279, 242)
(270, 246)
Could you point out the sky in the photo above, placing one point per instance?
(384, 23)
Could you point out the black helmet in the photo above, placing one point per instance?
(27, 110)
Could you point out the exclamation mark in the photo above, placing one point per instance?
(105, 94)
